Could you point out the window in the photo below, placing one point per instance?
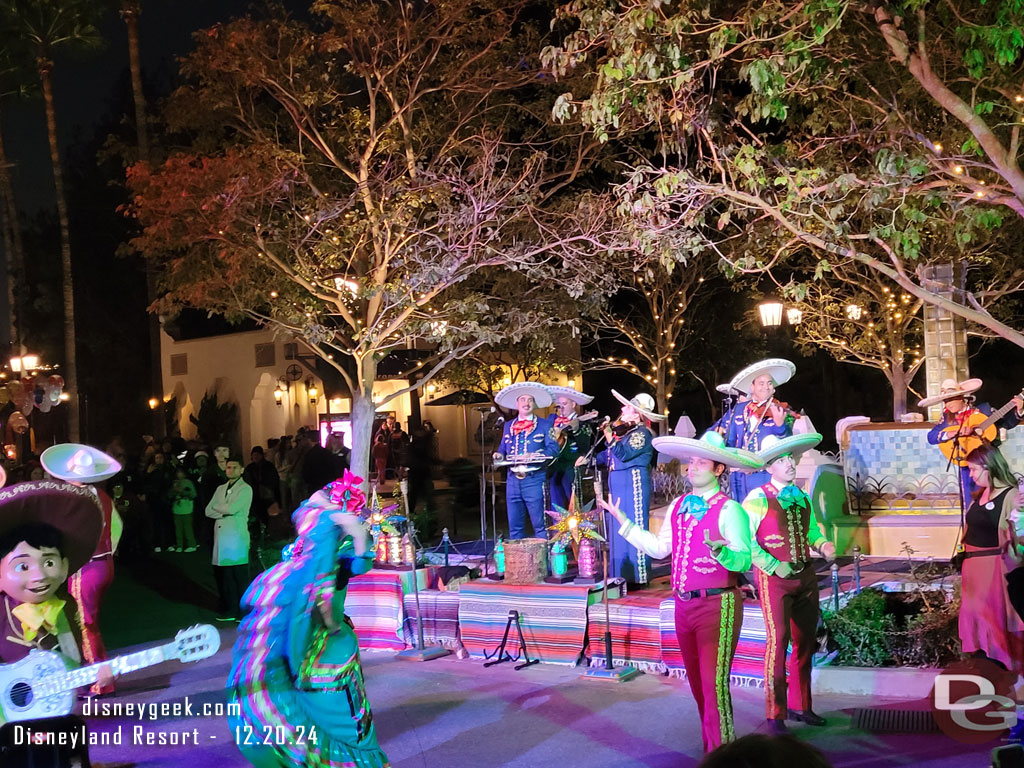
(179, 364)
(265, 356)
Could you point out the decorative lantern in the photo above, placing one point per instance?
(381, 549)
(499, 555)
(408, 550)
(394, 549)
(559, 560)
(588, 560)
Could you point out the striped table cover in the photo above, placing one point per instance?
(440, 618)
(374, 603)
(553, 617)
(644, 635)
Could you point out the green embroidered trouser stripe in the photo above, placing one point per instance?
(726, 650)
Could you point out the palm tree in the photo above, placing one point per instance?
(12, 83)
(46, 25)
(130, 12)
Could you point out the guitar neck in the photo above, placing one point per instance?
(120, 665)
(996, 416)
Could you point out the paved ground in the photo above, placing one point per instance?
(449, 713)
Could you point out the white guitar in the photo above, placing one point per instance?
(41, 685)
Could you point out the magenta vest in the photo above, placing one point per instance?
(693, 565)
(783, 534)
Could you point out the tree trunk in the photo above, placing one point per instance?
(67, 280)
(130, 13)
(661, 398)
(898, 381)
(363, 412)
(13, 246)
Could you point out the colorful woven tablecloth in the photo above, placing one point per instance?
(375, 605)
(644, 635)
(553, 617)
(440, 618)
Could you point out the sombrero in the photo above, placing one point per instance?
(643, 403)
(729, 389)
(780, 370)
(72, 510)
(575, 395)
(773, 447)
(78, 463)
(951, 390)
(506, 398)
(709, 446)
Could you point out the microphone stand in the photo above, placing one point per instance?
(420, 652)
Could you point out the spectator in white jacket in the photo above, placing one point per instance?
(229, 509)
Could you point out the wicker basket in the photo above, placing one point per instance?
(526, 561)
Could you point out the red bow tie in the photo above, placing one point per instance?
(561, 421)
(522, 425)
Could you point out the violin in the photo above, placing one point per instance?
(618, 427)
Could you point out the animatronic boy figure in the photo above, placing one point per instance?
(47, 530)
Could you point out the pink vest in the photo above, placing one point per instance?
(693, 565)
(783, 534)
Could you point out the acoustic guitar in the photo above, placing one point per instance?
(40, 685)
(980, 428)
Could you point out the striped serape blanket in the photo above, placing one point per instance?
(440, 619)
(374, 603)
(644, 635)
(553, 617)
(635, 628)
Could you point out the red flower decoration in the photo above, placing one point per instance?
(346, 492)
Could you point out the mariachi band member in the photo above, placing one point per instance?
(574, 437)
(783, 531)
(961, 417)
(760, 416)
(708, 537)
(628, 458)
(527, 440)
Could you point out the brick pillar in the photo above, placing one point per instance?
(945, 335)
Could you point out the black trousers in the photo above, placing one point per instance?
(1015, 589)
(232, 581)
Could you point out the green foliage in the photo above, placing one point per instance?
(217, 423)
(859, 630)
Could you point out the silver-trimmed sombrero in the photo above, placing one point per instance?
(773, 447)
(506, 398)
(711, 446)
(780, 370)
(575, 395)
(644, 403)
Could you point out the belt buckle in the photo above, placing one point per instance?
(684, 596)
(520, 475)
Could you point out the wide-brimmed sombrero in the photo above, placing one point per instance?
(951, 390)
(78, 463)
(573, 394)
(772, 447)
(644, 403)
(729, 389)
(780, 370)
(73, 510)
(711, 446)
(506, 398)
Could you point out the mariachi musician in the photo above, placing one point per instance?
(526, 447)
(964, 425)
(760, 416)
(574, 436)
(628, 458)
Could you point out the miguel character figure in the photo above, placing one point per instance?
(762, 415)
(574, 437)
(964, 426)
(47, 530)
(784, 530)
(628, 458)
(526, 446)
(708, 537)
(84, 466)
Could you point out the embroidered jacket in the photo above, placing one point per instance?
(535, 439)
(749, 424)
(682, 536)
(633, 449)
(781, 531)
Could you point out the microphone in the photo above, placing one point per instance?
(485, 408)
(500, 420)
